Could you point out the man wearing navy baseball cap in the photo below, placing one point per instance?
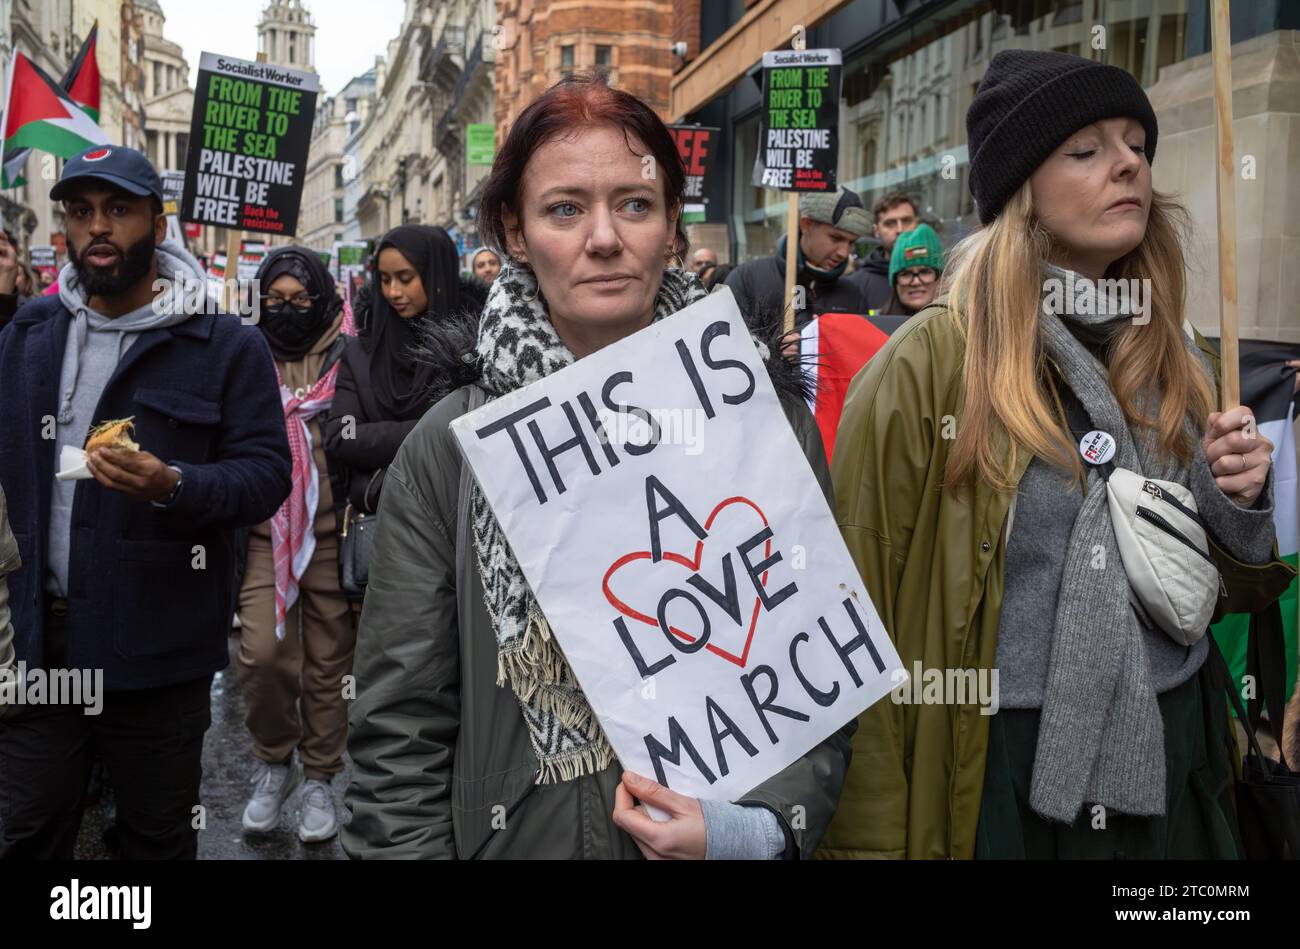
(124, 167)
(102, 265)
(128, 555)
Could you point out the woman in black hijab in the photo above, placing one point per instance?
(296, 634)
(293, 330)
(418, 276)
(383, 389)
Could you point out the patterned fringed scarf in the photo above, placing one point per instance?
(518, 345)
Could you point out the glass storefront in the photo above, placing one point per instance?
(903, 114)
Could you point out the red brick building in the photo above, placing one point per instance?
(540, 41)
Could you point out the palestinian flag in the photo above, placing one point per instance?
(82, 78)
(833, 347)
(81, 82)
(1267, 387)
(41, 114)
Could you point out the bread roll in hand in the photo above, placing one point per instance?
(115, 433)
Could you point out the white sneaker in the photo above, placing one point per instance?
(274, 783)
(318, 821)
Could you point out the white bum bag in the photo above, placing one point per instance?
(1162, 543)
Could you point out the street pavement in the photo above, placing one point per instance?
(227, 768)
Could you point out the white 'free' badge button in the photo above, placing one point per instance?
(1097, 447)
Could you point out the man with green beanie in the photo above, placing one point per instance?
(914, 269)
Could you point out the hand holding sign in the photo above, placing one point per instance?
(680, 837)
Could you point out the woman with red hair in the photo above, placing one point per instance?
(470, 736)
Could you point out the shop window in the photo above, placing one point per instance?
(1171, 45)
(1126, 47)
(869, 157)
(1067, 12)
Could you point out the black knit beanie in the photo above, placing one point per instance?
(1029, 103)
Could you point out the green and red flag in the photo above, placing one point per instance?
(833, 348)
(82, 78)
(33, 97)
(1268, 388)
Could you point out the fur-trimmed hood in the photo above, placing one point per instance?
(450, 346)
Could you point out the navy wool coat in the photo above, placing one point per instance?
(150, 588)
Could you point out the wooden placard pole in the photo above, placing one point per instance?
(1225, 181)
(791, 257)
(234, 241)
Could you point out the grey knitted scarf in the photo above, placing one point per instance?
(517, 345)
(1101, 735)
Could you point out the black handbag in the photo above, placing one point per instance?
(357, 542)
(1268, 792)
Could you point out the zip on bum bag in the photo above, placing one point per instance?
(1161, 537)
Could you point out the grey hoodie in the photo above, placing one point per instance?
(95, 345)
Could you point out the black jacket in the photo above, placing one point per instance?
(357, 462)
(759, 287)
(9, 304)
(361, 306)
(360, 438)
(872, 279)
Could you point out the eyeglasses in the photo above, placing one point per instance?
(299, 301)
(918, 275)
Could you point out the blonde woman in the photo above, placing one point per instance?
(987, 546)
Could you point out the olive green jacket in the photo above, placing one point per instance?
(933, 563)
(442, 765)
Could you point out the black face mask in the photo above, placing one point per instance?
(292, 331)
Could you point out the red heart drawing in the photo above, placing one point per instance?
(692, 564)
